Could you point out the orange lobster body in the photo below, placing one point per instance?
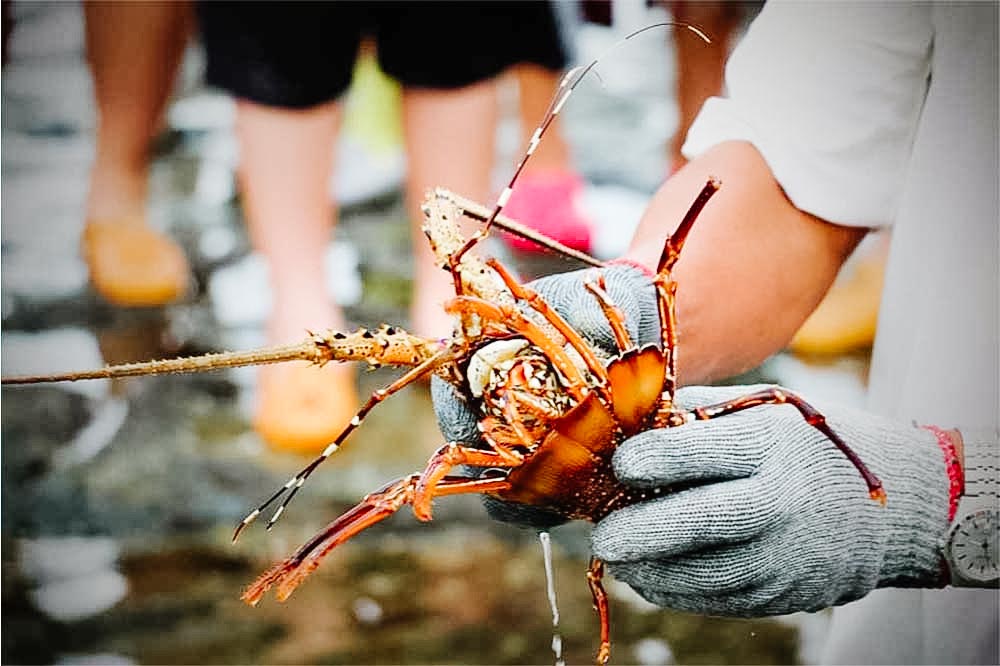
(570, 471)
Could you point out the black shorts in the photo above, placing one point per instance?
(296, 55)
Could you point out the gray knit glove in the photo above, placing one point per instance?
(779, 520)
(630, 288)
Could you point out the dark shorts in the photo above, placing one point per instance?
(297, 55)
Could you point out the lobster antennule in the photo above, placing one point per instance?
(386, 346)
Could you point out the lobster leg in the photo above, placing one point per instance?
(666, 293)
(777, 396)
(374, 508)
(611, 312)
(515, 321)
(595, 576)
(292, 486)
(538, 304)
(445, 459)
(666, 290)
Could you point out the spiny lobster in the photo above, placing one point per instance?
(553, 407)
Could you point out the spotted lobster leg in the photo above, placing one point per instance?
(595, 578)
(777, 396)
(374, 508)
(445, 459)
(666, 292)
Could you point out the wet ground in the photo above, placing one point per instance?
(119, 498)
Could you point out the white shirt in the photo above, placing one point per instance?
(886, 115)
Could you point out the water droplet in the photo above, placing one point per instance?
(550, 590)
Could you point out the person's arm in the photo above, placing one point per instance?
(753, 268)
(824, 102)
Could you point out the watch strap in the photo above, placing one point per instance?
(981, 449)
(982, 463)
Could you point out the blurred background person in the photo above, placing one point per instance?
(288, 65)
(700, 66)
(134, 50)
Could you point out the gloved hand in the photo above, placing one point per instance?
(630, 288)
(780, 521)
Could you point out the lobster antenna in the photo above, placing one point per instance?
(387, 345)
(481, 213)
(305, 351)
(567, 85)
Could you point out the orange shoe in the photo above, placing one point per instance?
(133, 265)
(847, 317)
(303, 408)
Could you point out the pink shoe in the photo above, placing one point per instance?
(546, 202)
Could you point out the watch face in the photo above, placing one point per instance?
(973, 546)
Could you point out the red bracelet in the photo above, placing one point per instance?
(956, 478)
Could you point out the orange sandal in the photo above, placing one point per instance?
(133, 265)
(303, 408)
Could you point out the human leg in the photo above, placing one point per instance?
(450, 137)
(286, 160)
(134, 50)
(436, 50)
(287, 65)
(285, 167)
(700, 66)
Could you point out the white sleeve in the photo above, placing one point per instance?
(830, 94)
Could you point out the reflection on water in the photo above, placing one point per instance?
(74, 577)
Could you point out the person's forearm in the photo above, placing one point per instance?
(753, 268)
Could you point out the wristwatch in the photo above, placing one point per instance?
(971, 545)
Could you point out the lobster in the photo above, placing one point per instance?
(553, 408)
